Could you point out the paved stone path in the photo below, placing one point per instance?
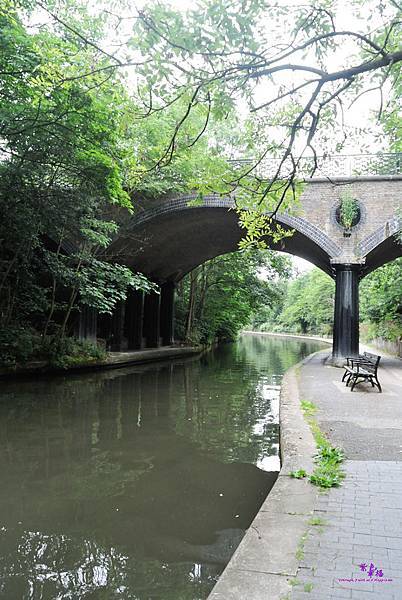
(359, 525)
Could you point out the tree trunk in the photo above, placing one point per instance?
(73, 297)
(53, 300)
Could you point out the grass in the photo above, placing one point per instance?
(315, 521)
(308, 587)
(300, 474)
(327, 472)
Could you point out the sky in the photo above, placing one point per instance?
(361, 113)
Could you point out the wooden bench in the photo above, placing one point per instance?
(352, 361)
(362, 368)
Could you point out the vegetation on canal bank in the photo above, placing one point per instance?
(327, 473)
(20, 345)
(216, 300)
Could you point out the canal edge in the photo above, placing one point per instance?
(267, 559)
(114, 360)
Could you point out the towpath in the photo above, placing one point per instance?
(355, 551)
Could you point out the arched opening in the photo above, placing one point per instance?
(172, 239)
(167, 242)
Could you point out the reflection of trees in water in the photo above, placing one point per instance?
(55, 567)
(149, 441)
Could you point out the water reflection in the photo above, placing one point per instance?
(137, 483)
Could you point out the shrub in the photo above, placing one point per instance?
(17, 345)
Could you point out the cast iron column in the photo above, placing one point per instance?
(117, 327)
(152, 317)
(167, 313)
(87, 327)
(346, 315)
(134, 320)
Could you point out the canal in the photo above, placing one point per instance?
(138, 483)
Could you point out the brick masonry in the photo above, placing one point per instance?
(380, 198)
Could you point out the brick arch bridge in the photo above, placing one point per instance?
(168, 239)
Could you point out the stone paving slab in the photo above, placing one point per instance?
(362, 520)
(359, 527)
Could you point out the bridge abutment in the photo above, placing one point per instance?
(117, 327)
(346, 313)
(141, 321)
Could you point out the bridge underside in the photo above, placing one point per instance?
(168, 247)
(167, 242)
(388, 250)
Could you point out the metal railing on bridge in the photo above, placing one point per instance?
(337, 165)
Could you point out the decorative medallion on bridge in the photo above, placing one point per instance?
(347, 212)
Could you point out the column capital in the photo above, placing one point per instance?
(340, 262)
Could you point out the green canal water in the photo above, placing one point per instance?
(138, 483)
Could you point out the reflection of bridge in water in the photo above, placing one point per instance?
(167, 239)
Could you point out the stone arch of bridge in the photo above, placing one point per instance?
(173, 238)
(381, 246)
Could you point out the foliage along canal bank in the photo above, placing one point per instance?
(112, 360)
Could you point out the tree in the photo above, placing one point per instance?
(295, 69)
(299, 310)
(216, 300)
(381, 302)
(61, 175)
(278, 61)
(76, 159)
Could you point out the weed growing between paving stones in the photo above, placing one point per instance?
(300, 474)
(317, 521)
(328, 459)
(300, 546)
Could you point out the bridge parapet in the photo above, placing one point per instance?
(328, 166)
